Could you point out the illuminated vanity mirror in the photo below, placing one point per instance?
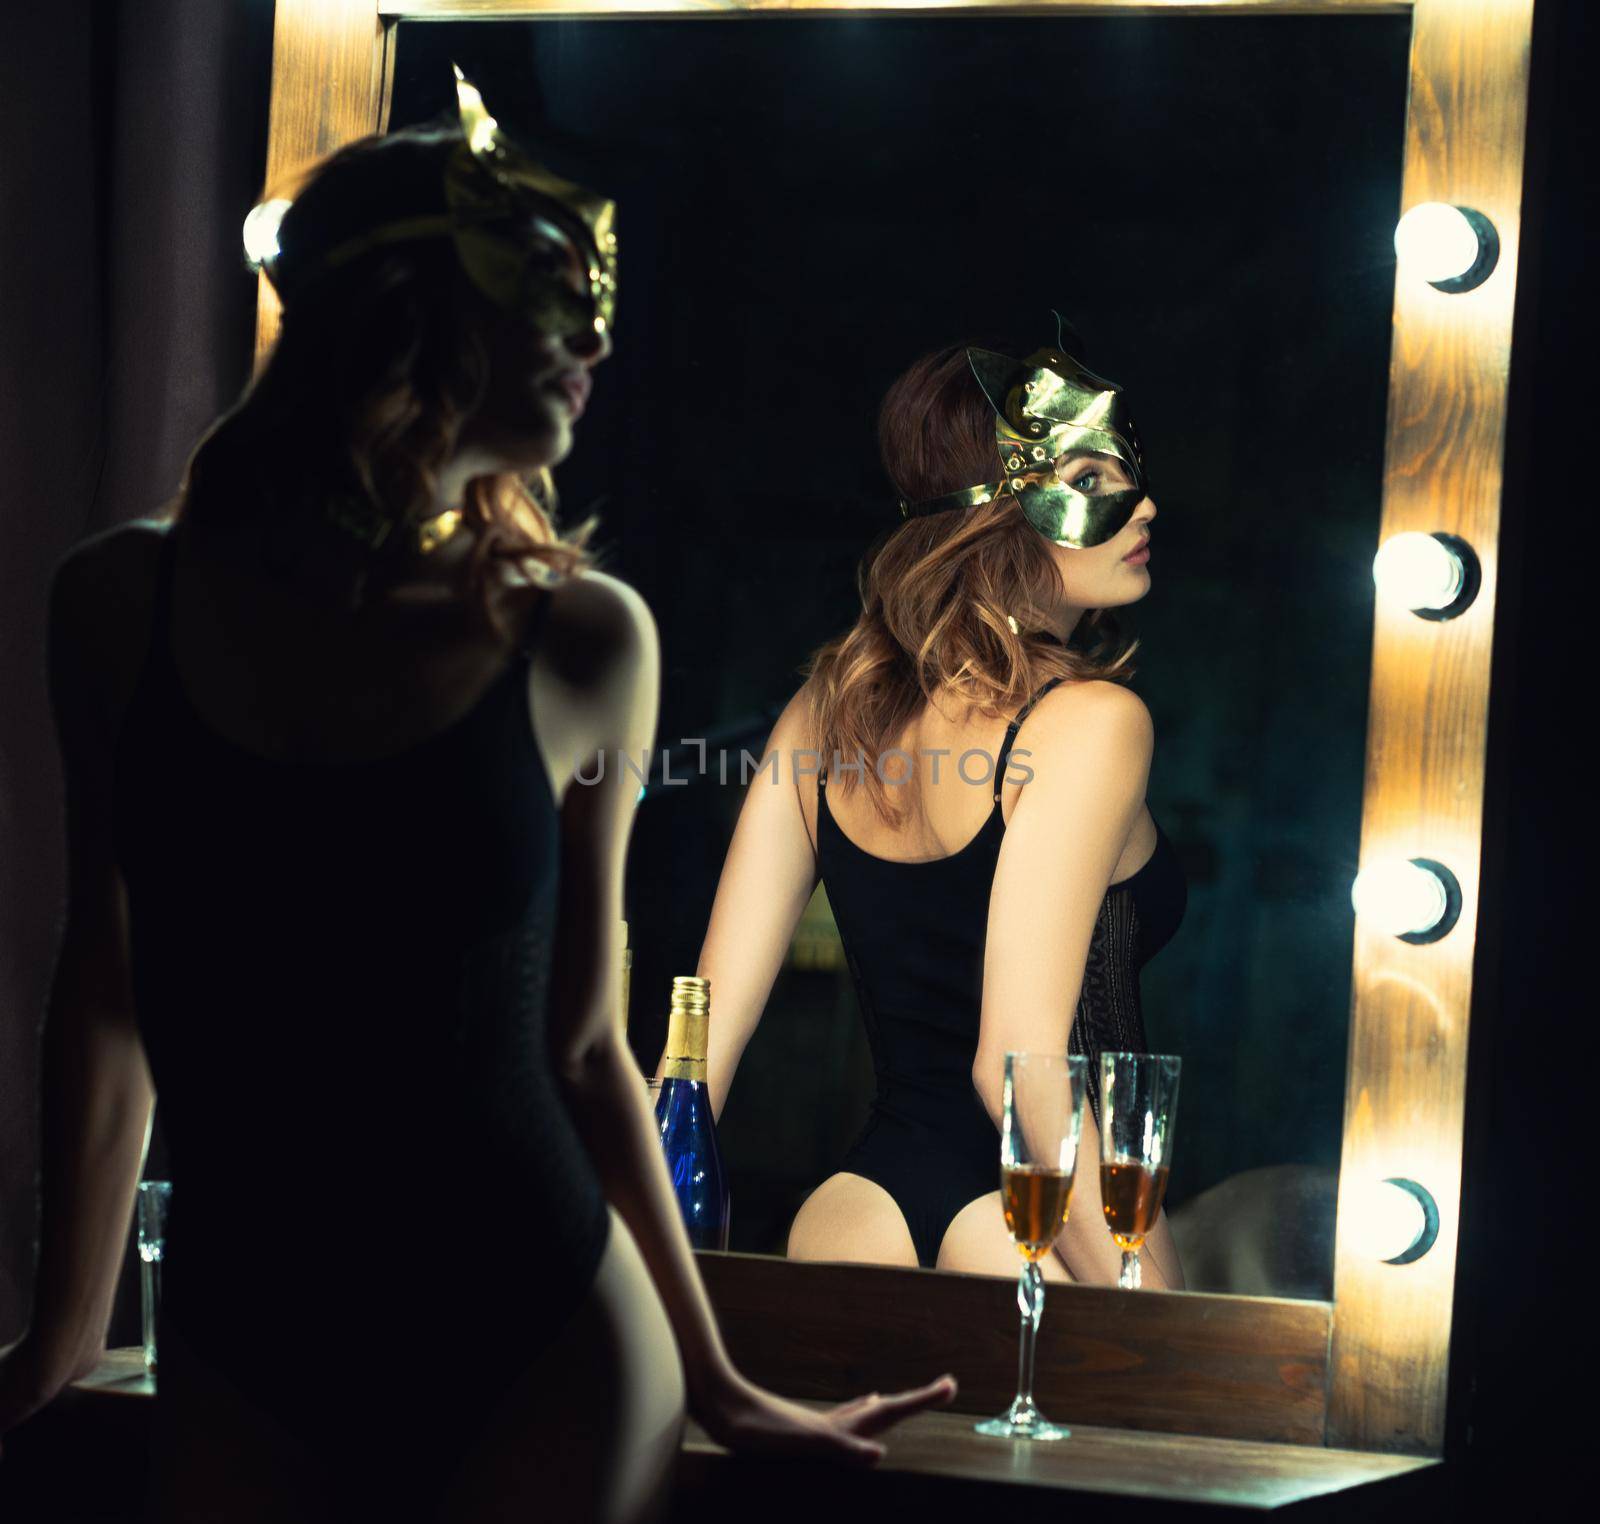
(805, 207)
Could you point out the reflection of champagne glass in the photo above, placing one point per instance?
(1138, 1101)
(1043, 1116)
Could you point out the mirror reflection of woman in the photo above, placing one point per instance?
(335, 890)
(995, 873)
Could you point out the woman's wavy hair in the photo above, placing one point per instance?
(378, 363)
(936, 592)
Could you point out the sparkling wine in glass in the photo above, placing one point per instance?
(1138, 1102)
(1042, 1118)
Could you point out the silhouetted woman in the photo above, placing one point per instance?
(337, 894)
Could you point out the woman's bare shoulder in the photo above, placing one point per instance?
(795, 725)
(1097, 715)
(103, 590)
(593, 620)
(793, 738)
(120, 561)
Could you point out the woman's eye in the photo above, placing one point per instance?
(554, 260)
(1082, 477)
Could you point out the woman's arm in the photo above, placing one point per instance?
(767, 878)
(602, 633)
(96, 1095)
(611, 676)
(1090, 746)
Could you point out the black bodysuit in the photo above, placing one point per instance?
(913, 934)
(380, 1204)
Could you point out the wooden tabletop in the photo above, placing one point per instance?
(1122, 1463)
(120, 1373)
(941, 1452)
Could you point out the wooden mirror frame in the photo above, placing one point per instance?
(1368, 1370)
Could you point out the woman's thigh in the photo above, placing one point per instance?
(1161, 1248)
(851, 1218)
(216, 1455)
(978, 1242)
(592, 1431)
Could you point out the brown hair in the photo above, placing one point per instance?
(378, 363)
(936, 591)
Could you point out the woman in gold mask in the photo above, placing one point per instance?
(337, 894)
(965, 771)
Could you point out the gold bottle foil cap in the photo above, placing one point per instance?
(688, 1025)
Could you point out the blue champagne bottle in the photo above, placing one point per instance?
(683, 1113)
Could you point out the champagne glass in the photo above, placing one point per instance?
(154, 1198)
(1042, 1119)
(1138, 1101)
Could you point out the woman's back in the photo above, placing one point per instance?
(274, 664)
(339, 967)
(919, 932)
(915, 926)
(957, 758)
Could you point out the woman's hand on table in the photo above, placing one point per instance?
(750, 1420)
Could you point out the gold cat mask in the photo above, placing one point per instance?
(1048, 407)
(506, 215)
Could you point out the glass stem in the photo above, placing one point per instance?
(1030, 1301)
(149, 1299)
(1129, 1279)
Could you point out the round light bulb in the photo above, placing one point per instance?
(1442, 243)
(261, 232)
(1418, 571)
(1400, 897)
(1389, 1219)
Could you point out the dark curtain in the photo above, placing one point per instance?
(134, 139)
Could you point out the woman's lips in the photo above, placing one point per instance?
(1140, 555)
(574, 385)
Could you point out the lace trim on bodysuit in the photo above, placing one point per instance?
(1110, 1017)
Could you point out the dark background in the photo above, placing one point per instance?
(127, 326)
(132, 142)
(804, 209)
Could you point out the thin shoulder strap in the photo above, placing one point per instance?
(1011, 734)
(822, 770)
(823, 812)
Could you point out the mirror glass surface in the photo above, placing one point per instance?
(807, 205)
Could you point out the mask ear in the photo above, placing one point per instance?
(996, 374)
(1068, 340)
(494, 178)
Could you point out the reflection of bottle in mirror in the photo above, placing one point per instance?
(683, 1113)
